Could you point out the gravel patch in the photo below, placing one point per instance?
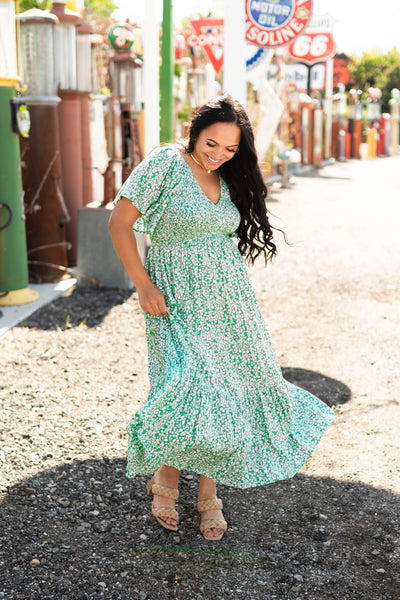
(72, 525)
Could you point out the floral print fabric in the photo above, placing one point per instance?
(218, 404)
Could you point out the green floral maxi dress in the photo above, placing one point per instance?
(218, 404)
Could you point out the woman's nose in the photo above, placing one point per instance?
(218, 155)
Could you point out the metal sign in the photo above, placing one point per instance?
(210, 36)
(256, 57)
(323, 22)
(272, 23)
(341, 73)
(313, 47)
(121, 36)
(296, 74)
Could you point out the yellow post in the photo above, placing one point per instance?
(371, 142)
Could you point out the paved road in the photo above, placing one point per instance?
(332, 303)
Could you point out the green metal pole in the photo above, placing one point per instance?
(13, 254)
(167, 75)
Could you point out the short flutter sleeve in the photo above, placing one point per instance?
(148, 185)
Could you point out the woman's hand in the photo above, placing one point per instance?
(124, 215)
(152, 300)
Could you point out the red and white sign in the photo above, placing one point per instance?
(272, 23)
(341, 73)
(210, 36)
(313, 47)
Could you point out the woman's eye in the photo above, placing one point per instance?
(231, 151)
(211, 145)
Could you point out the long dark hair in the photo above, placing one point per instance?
(242, 174)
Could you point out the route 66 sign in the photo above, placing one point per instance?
(313, 47)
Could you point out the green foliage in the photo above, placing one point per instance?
(183, 115)
(105, 8)
(28, 4)
(365, 68)
(374, 69)
(392, 76)
(177, 69)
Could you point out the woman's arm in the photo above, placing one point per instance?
(124, 215)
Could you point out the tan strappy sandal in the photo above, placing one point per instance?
(163, 512)
(215, 504)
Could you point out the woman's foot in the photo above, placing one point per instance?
(168, 477)
(214, 516)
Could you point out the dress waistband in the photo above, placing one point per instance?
(190, 241)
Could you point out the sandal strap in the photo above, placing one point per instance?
(212, 504)
(166, 492)
(213, 524)
(165, 512)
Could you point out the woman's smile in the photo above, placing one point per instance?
(212, 161)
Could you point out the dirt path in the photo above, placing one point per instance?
(73, 527)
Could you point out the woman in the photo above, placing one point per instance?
(218, 404)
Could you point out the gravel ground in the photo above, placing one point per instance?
(73, 527)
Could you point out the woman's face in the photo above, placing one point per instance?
(217, 144)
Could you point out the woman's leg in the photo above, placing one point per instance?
(169, 477)
(208, 491)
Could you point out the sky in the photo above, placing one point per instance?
(359, 24)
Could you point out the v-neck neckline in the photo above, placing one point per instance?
(198, 184)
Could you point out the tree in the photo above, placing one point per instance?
(374, 69)
(364, 69)
(392, 81)
(98, 14)
(104, 8)
(28, 4)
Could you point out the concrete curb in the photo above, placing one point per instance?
(10, 316)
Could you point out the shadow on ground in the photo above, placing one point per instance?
(83, 530)
(331, 391)
(88, 305)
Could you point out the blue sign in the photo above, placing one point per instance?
(256, 58)
(270, 14)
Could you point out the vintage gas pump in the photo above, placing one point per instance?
(355, 119)
(95, 159)
(14, 120)
(373, 116)
(70, 117)
(83, 67)
(384, 135)
(97, 260)
(113, 130)
(395, 116)
(46, 213)
(293, 98)
(306, 107)
(338, 124)
(388, 128)
(126, 81)
(317, 139)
